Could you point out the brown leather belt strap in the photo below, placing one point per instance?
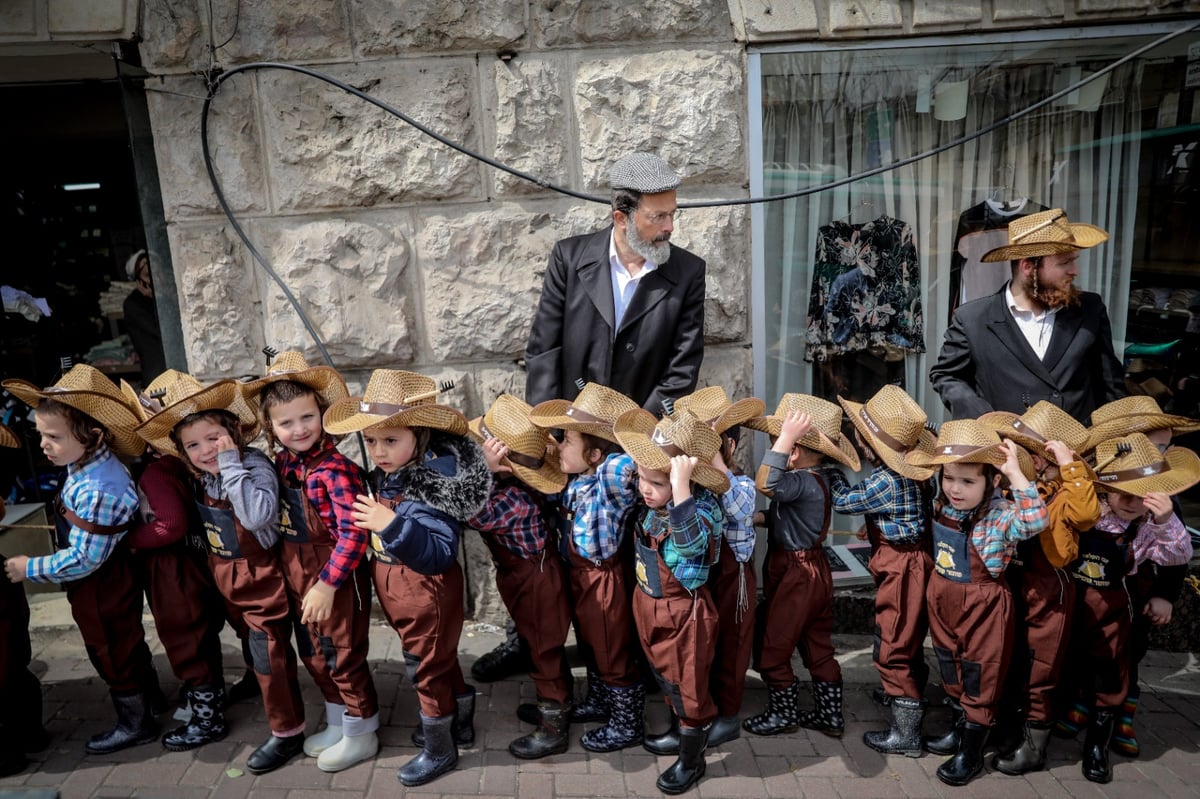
(1133, 474)
(91, 527)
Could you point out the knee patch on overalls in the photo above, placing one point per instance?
(877, 644)
(329, 651)
(258, 643)
(972, 677)
(946, 667)
(411, 662)
(304, 641)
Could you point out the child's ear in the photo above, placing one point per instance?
(594, 456)
(996, 480)
(98, 435)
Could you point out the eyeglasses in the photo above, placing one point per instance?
(661, 216)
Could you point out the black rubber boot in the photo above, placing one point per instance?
(625, 722)
(826, 715)
(904, 736)
(1095, 747)
(781, 715)
(274, 753)
(880, 697)
(156, 700)
(667, 743)
(967, 762)
(509, 658)
(1030, 755)
(135, 726)
(246, 687)
(464, 721)
(551, 736)
(947, 744)
(595, 705)
(439, 755)
(689, 768)
(207, 723)
(724, 730)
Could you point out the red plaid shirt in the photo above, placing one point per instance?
(332, 484)
(514, 517)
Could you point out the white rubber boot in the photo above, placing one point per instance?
(317, 743)
(359, 742)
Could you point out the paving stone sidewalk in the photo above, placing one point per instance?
(800, 765)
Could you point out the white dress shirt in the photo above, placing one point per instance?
(1036, 326)
(623, 283)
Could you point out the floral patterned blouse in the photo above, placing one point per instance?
(865, 290)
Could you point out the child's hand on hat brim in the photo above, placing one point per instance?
(494, 453)
(792, 429)
(1063, 455)
(681, 477)
(370, 515)
(1159, 504)
(1011, 468)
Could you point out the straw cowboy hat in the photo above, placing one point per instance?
(8, 438)
(969, 441)
(291, 366)
(652, 443)
(530, 455)
(826, 433)
(1133, 465)
(712, 406)
(183, 395)
(1045, 233)
(1043, 422)
(86, 389)
(1136, 414)
(894, 425)
(394, 398)
(594, 412)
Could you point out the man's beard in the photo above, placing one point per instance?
(1052, 296)
(656, 253)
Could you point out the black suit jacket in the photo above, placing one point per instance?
(655, 353)
(986, 364)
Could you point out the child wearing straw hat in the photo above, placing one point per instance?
(429, 479)
(524, 465)
(84, 424)
(591, 538)
(171, 561)
(21, 730)
(677, 526)
(323, 555)
(732, 580)
(1043, 600)
(796, 474)
(895, 500)
(1136, 515)
(236, 495)
(1161, 570)
(970, 605)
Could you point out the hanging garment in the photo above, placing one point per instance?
(982, 228)
(865, 290)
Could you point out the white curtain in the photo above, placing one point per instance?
(832, 113)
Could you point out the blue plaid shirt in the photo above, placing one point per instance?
(1006, 522)
(599, 503)
(684, 534)
(98, 490)
(738, 505)
(887, 498)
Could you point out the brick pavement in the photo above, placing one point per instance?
(800, 765)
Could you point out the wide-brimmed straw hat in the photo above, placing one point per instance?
(652, 443)
(8, 438)
(712, 406)
(88, 390)
(969, 441)
(594, 411)
(894, 425)
(1135, 414)
(826, 433)
(1043, 422)
(1133, 465)
(1045, 233)
(183, 396)
(531, 456)
(290, 365)
(394, 398)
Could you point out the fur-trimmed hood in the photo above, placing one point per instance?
(453, 477)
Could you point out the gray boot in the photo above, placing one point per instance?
(464, 721)
(904, 736)
(439, 755)
(551, 735)
(1030, 755)
(135, 726)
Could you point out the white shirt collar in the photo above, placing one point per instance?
(618, 266)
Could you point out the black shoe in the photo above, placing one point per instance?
(904, 736)
(724, 730)
(689, 768)
(947, 744)
(37, 740)
(439, 755)
(206, 725)
(967, 762)
(274, 753)
(665, 744)
(879, 697)
(246, 687)
(1030, 755)
(781, 715)
(464, 721)
(826, 715)
(509, 658)
(550, 738)
(135, 726)
(1096, 767)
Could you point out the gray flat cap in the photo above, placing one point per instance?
(643, 172)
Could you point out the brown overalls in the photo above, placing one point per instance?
(335, 650)
(107, 607)
(970, 622)
(677, 629)
(426, 611)
(901, 572)
(733, 587)
(798, 610)
(250, 579)
(1103, 614)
